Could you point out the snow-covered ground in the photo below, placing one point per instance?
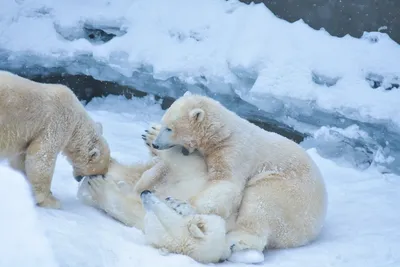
(362, 226)
(298, 76)
(340, 90)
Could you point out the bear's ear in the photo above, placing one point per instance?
(187, 93)
(99, 128)
(197, 114)
(94, 154)
(197, 230)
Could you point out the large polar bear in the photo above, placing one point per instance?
(39, 120)
(279, 202)
(271, 181)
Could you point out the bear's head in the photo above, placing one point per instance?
(199, 236)
(92, 157)
(194, 122)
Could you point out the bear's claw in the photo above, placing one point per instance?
(149, 136)
(181, 207)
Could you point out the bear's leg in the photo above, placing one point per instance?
(181, 207)
(150, 177)
(252, 232)
(18, 163)
(39, 165)
(150, 136)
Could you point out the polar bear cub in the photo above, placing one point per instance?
(168, 173)
(201, 237)
(271, 181)
(37, 122)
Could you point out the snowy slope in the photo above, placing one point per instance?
(288, 72)
(228, 46)
(362, 226)
(22, 239)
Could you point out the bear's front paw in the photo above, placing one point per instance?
(50, 202)
(99, 185)
(163, 251)
(243, 249)
(181, 207)
(240, 240)
(151, 134)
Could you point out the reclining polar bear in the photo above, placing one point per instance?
(266, 187)
(118, 194)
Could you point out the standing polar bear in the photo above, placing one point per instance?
(266, 188)
(37, 122)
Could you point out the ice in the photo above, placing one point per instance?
(22, 237)
(361, 227)
(356, 147)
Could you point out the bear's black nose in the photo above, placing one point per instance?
(185, 152)
(155, 146)
(145, 192)
(78, 178)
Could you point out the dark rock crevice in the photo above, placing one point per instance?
(86, 88)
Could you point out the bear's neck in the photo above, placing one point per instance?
(216, 136)
(81, 139)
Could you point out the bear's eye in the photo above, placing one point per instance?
(169, 130)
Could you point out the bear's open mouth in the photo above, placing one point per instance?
(79, 178)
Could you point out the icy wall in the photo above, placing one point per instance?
(343, 93)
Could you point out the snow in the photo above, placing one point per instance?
(340, 90)
(244, 46)
(361, 229)
(23, 241)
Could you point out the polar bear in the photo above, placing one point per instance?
(168, 173)
(276, 206)
(121, 194)
(273, 183)
(167, 227)
(37, 121)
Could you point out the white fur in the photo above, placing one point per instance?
(271, 181)
(37, 122)
(202, 237)
(266, 187)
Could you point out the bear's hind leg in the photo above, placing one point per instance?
(252, 231)
(40, 162)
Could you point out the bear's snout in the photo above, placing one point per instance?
(155, 146)
(145, 192)
(78, 178)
